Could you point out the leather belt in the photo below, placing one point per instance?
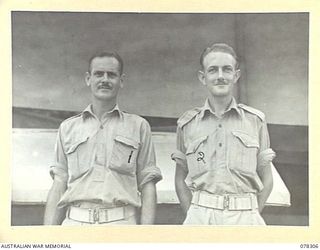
(100, 215)
(229, 201)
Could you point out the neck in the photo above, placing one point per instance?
(219, 103)
(99, 107)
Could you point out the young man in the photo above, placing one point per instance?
(104, 164)
(223, 173)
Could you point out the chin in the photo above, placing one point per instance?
(220, 94)
(104, 97)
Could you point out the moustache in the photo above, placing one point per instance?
(221, 82)
(105, 86)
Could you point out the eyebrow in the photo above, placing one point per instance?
(224, 66)
(228, 66)
(108, 71)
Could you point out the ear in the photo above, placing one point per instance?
(237, 75)
(201, 77)
(87, 78)
(121, 80)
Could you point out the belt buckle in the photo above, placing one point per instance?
(226, 202)
(93, 215)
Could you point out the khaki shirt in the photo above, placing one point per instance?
(222, 155)
(104, 162)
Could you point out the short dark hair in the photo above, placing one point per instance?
(219, 47)
(107, 54)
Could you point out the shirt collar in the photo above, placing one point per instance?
(88, 111)
(207, 108)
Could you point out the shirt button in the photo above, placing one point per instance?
(220, 144)
(220, 126)
(101, 126)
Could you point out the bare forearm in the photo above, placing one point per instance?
(54, 215)
(149, 201)
(182, 190)
(267, 181)
(263, 196)
(184, 195)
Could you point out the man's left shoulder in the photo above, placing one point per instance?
(137, 119)
(253, 111)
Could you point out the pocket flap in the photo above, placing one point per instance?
(74, 145)
(127, 141)
(194, 145)
(248, 140)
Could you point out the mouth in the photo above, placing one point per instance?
(221, 83)
(105, 87)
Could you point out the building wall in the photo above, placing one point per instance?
(275, 48)
(161, 54)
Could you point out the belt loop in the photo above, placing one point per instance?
(196, 197)
(106, 214)
(68, 213)
(253, 206)
(125, 212)
(218, 202)
(91, 220)
(233, 202)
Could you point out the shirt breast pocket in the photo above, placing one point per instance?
(197, 157)
(78, 157)
(124, 155)
(244, 151)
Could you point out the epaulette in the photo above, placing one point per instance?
(73, 117)
(188, 116)
(252, 111)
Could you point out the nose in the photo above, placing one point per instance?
(105, 76)
(220, 74)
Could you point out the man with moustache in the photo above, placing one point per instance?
(104, 166)
(223, 158)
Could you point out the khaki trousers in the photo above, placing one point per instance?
(198, 215)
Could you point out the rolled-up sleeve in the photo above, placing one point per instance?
(265, 157)
(146, 163)
(179, 155)
(58, 168)
(266, 154)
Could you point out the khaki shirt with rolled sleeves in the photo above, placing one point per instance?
(104, 162)
(222, 155)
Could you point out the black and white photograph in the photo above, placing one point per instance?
(140, 118)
